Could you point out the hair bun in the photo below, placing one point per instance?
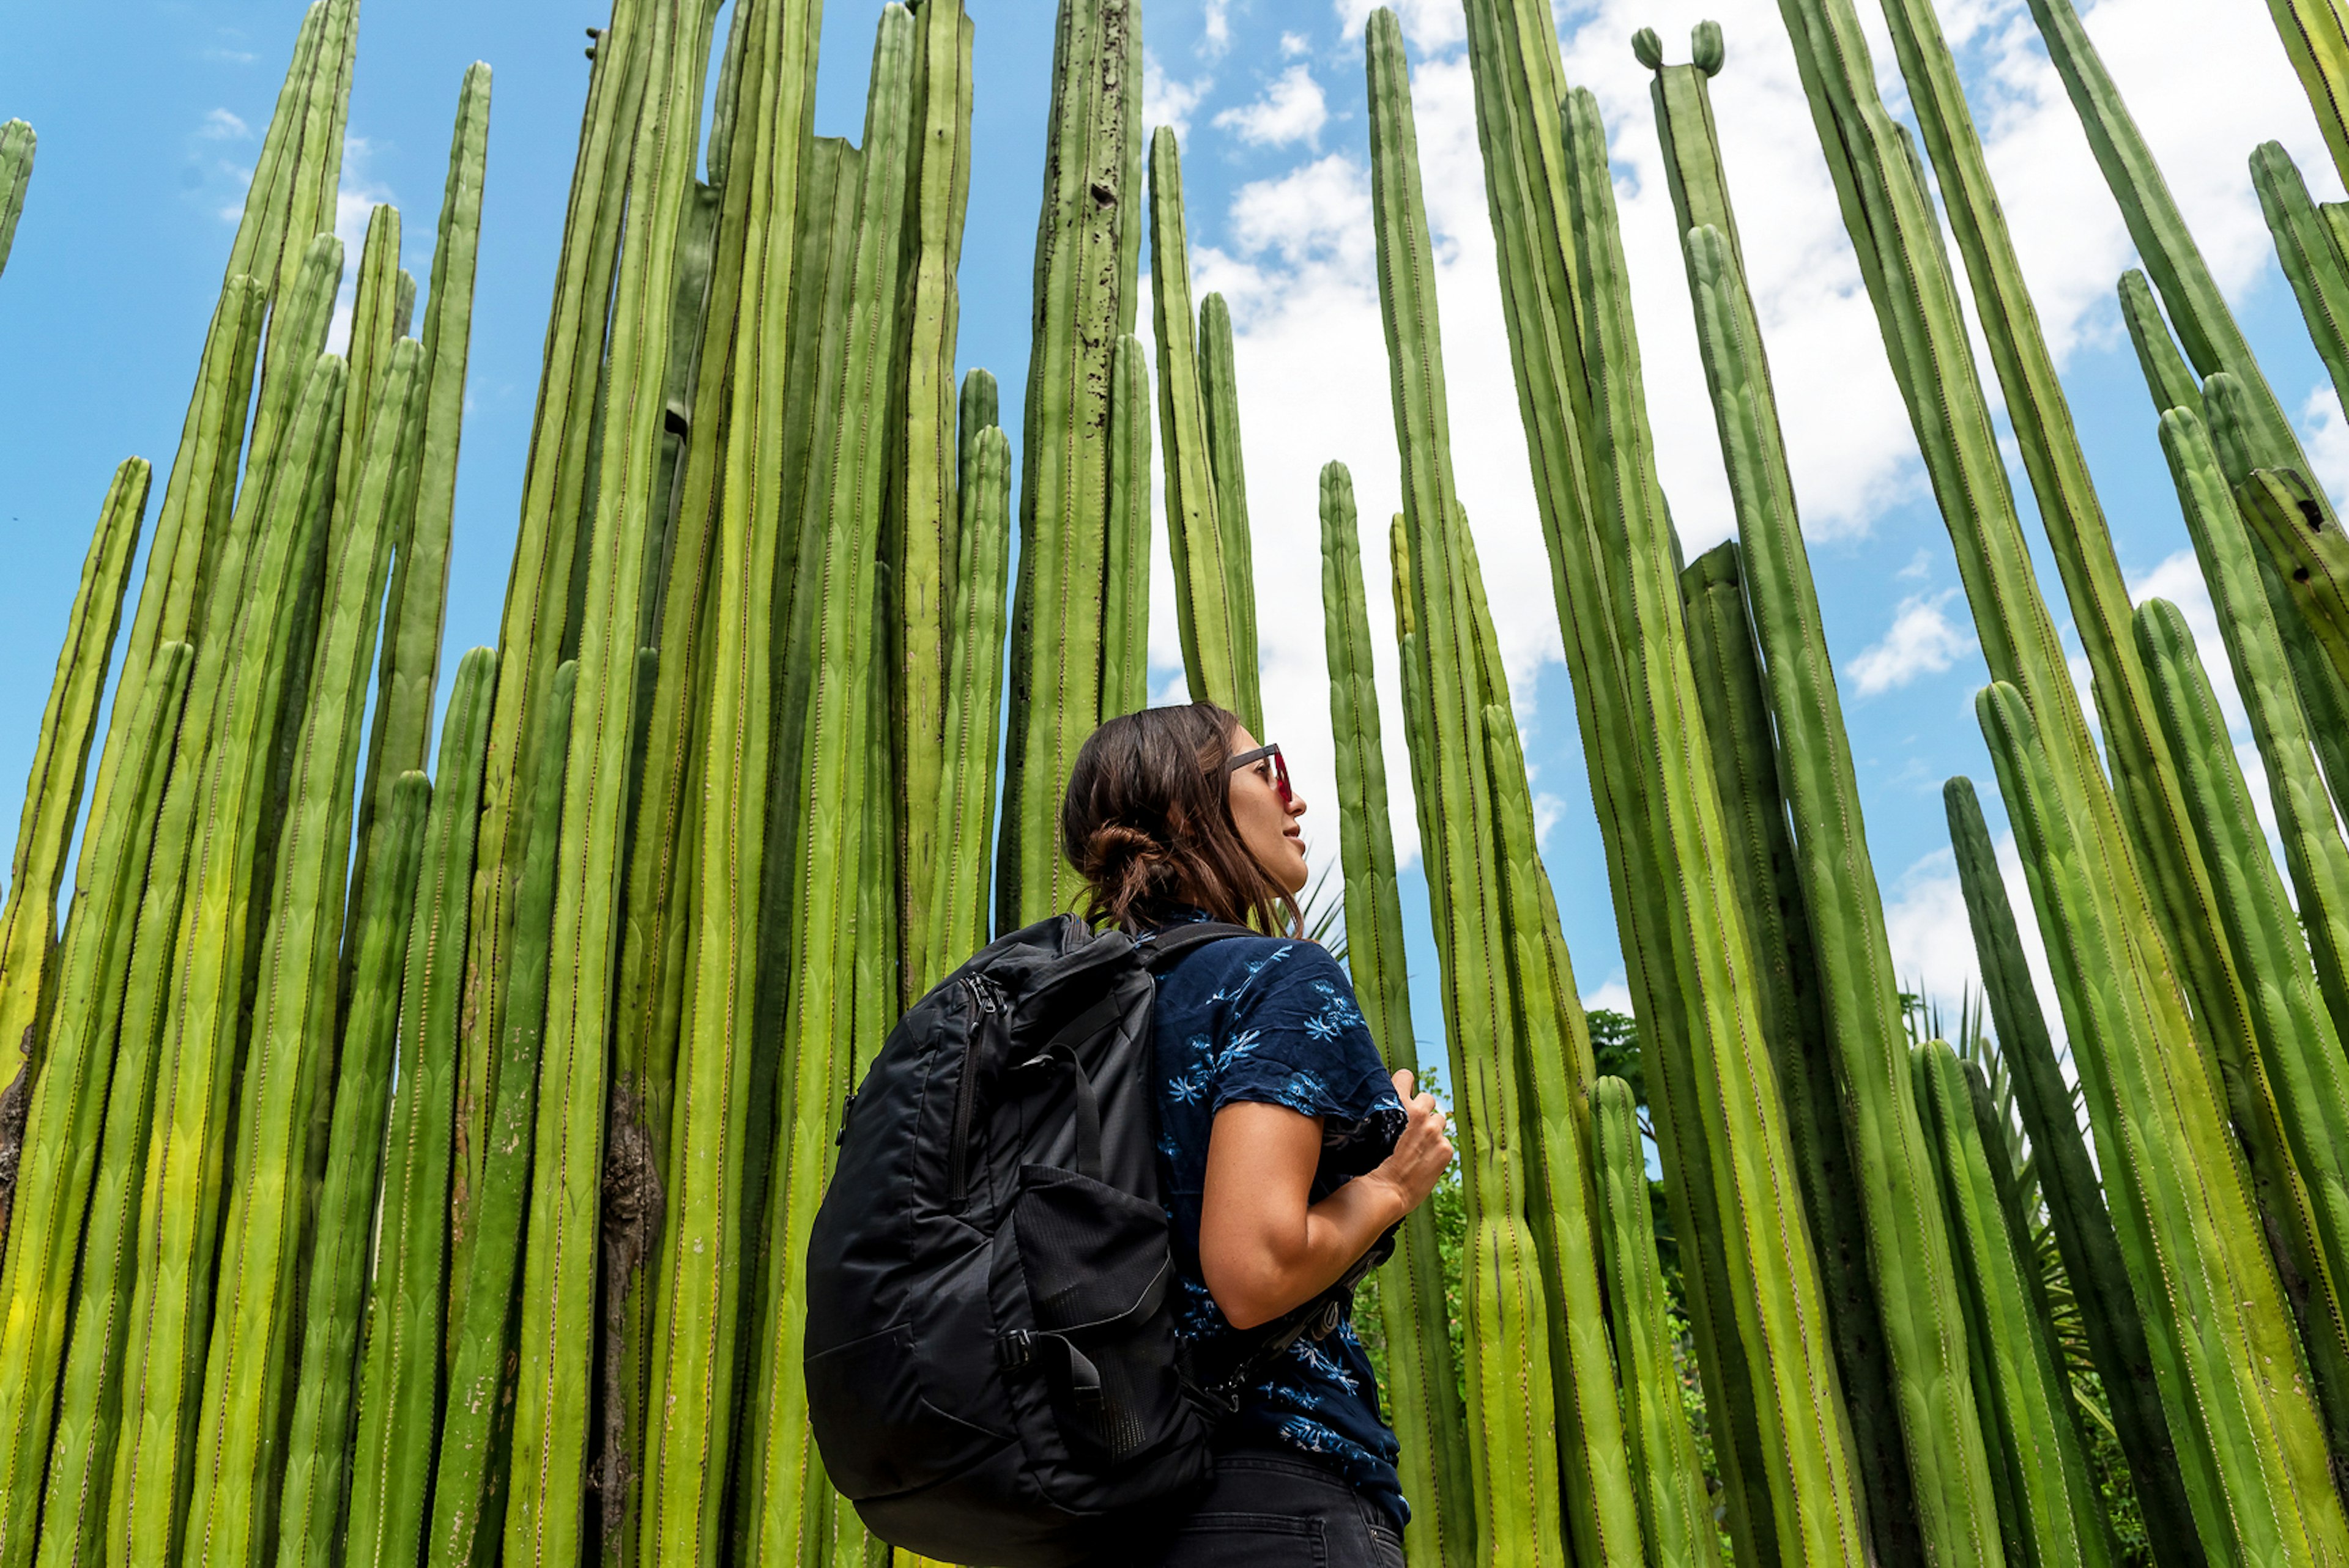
(1111, 844)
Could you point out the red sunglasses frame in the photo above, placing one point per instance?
(1280, 769)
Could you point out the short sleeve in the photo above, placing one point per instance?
(1295, 1036)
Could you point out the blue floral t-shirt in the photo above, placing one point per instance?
(1269, 1020)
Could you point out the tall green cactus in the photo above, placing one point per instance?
(2316, 35)
(1814, 1494)
(703, 1243)
(960, 889)
(1088, 242)
(2085, 1238)
(1513, 1446)
(1196, 535)
(789, 1500)
(924, 521)
(1674, 1513)
(184, 1193)
(1219, 381)
(465, 1482)
(239, 1431)
(63, 1120)
(1125, 569)
(2250, 1442)
(2144, 787)
(399, 1378)
(2298, 1080)
(1420, 1381)
(2301, 1074)
(537, 632)
(2048, 1507)
(16, 147)
(545, 1514)
(1739, 730)
(316, 1473)
(28, 921)
(1513, 56)
(416, 602)
(2199, 311)
(766, 84)
(2308, 248)
(1550, 1113)
(1908, 1247)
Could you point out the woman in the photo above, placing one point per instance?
(1285, 1151)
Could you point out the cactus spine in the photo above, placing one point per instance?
(1428, 1419)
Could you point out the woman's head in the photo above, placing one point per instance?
(1155, 817)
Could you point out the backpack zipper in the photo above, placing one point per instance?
(982, 1001)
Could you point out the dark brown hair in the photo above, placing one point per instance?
(1147, 822)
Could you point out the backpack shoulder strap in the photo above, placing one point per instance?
(1163, 947)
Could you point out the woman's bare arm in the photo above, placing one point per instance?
(1263, 1248)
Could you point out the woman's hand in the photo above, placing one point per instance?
(1417, 1162)
(1264, 1246)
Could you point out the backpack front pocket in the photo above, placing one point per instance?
(1098, 1268)
(878, 1435)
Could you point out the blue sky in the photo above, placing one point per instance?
(150, 119)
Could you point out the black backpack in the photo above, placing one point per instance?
(993, 1372)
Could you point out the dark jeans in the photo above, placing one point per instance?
(1272, 1509)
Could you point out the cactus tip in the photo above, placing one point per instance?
(1648, 49)
(1705, 47)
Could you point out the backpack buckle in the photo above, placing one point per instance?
(1019, 1348)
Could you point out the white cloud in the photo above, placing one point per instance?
(1216, 35)
(1293, 45)
(1932, 940)
(1923, 641)
(1919, 567)
(220, 124)
(1613, 995)
(1164, 100)
(2326, 434)
(1291, 110)
(1426, 23)
(1548, 811)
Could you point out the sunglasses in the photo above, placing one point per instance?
(1280, 769)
